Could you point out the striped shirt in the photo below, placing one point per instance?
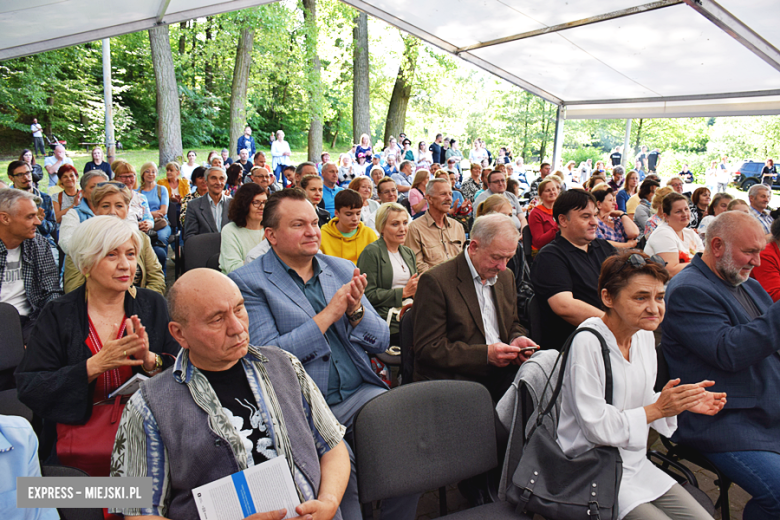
(139, 450)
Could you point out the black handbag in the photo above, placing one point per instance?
(550, 483)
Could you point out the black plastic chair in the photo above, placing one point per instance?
(10, 405)
(72, 514)
(527, 245)
(11, 345)
(174, 210)
(199, 249)
(407, 346)
(535, 317)
(405, 440)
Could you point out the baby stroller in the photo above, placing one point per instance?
(52, 142)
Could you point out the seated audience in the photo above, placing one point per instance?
(722, 326)
(496, 184)
(617, 180)
(209, 214)
(124, 330)
(739, 205)
(403, 179)
(345, 236)
(719, 204)
(595, 180)
(243, 162)
(614, 226)
(677, 184)
(313, 306)
(245, 229)
(113, 198)
(365, 188)
(226, 160)
(157, 198)
(69, 195)
(377, 174)
(643, 210)
(434, 237)
(29, 277)
(301, 171)
(473, 184)
(260, 175)
(19, 458)
(631, 286)
(53, 162)
(37, 171)
(700, 202)
(673, 240)
(330, 187)
(234, 179)
(565, 273)
(499, 204)
(84, 210)
(540, 221)
(20, 175)
(759, 196)
(387, 191)
(657, 206)
(177, 186)
(768, 271)
(451, 340)
(312, 186)
(189, 167)
(544, 171)
(97, 163)
(630, 188)
(389, 266)
(200, 189)
(139, 206)
(417, 201)
(208, 315)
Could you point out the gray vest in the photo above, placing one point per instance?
(198, 456)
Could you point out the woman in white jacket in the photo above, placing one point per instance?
(632, 292)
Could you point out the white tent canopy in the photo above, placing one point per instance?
(596, 60)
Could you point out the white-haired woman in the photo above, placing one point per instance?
(113, 198)
(390, 266)
(91, 341)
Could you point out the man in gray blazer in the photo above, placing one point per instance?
(209, 214)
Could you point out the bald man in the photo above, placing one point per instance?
(253, 404)
(721, 325)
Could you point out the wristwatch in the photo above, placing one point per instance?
(623, 215)
(157, 365)
(355, 316)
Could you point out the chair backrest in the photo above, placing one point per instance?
(199, 249)
(662, 375)
(406, 332)
(72, 514)
(535, 319)
(213, 262)
(11, 340)
(174, 210)
(423, 436)
(527, 244)
(10, 405)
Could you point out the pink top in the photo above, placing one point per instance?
(415, 196)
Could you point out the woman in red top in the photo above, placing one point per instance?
(768, 273)
(543, 226)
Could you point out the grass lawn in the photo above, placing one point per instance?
(134, 157)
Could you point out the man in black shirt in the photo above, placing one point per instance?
(616, 156)
(641, 160)
(566, 271)
(437, 151)
(653, 159)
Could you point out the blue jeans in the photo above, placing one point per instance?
(758, 473)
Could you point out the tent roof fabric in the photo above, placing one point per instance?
(598, 60)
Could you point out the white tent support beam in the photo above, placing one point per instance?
(425, 36)
(660, 4)
(626, 143)
(108, 99)
(163, 9)
(125, 28)
(673, 99)
(732, 26)
(560, 116)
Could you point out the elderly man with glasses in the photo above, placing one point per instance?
(496, 181)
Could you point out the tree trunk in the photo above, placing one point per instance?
(168, 110)
(524, 153)
(182, 37)
(545, 129)
(240, 85)
(402, 90)
(208, 66)
(361, 110)
(638, 137)
(314, 82)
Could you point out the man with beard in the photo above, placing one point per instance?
(722, 326)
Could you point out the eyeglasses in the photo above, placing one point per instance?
(257, 204)
(111, 183)
(126, 176)
(499, 181)
(28, 173)
(636, 261)
(385, 192)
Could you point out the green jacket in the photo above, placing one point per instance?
(374, 261)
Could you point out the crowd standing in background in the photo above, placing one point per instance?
(323, 260)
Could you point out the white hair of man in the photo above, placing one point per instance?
(217, 168)
(9, 198)
(93, 239)
(753, 191)
(488, 227)
(433, 182)
(727, 227)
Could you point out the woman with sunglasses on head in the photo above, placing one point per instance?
(631, 286)
(245, 229)
(673, 240)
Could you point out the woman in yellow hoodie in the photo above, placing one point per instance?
(345, 236)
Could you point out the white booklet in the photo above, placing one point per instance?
(130, 386)
(259, 489)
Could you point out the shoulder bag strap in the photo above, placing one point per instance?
(564, 355)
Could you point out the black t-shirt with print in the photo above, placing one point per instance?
(238, 403)
(616, 157)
